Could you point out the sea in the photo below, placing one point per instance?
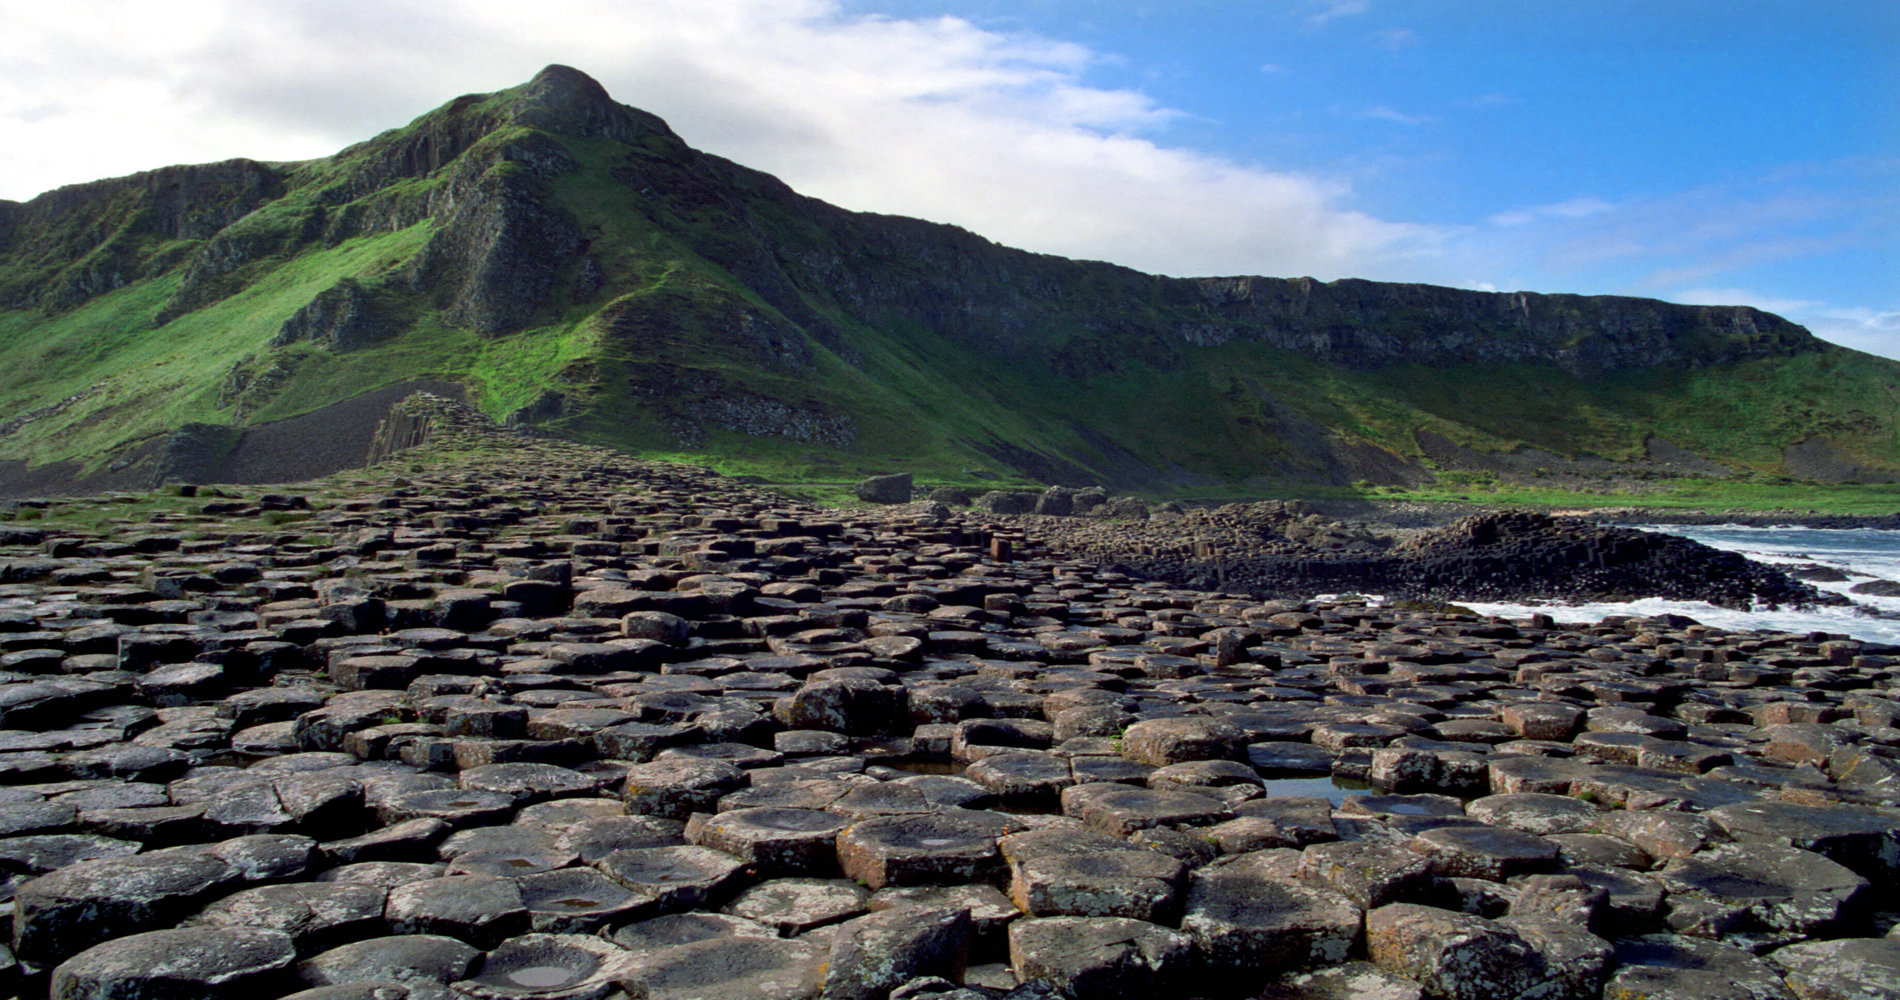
(1861, 554)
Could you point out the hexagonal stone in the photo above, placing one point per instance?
(1022, 775)
(859, 706)
(579, 901)
(210, 962)
(874, 954)
(1277, 821)
(1866, 840)
(1161, 742)
(561, 813)
(1060, 872)
(1337, 736)
(1248, 923)
(675, 878)
(1351, 981)
(990, 911)
(594, 839)
(740, 755)
(1750, 887)
(1110, 958)
(1847, 969)
(793, 906)
(946, 790)
(528, 783)
(640, 742)
(60, 914)
(483, 910)
(776, 841)
(805, 793)
(946, 848)
(1369, 873)
(454, 806)
(1277, 756)
(1542, 720)
(730, 968)
(1525, 773)
(1486, 852)
(504, 850)
(673, 929)
(1668, 966)
(885, 798)
(1457, 956)
(1660, 833)
(1634, 787)
(1534, 812)
(1092, 769)
(1391, 807)
(316, 915)
(974, 739)
(548, 967)
(37, 854)
(1562, 897)
(399, 958)
(1575, 961)
(679, 787)
(1120, 810)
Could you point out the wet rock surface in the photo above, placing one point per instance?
(562, 725)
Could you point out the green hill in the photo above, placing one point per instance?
(573, 265)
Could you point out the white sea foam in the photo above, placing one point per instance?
(1861, 553)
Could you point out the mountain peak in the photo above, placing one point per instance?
(566, 101)
(565, 86)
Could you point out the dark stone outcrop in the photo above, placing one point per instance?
(1273, 550)
(341, 317)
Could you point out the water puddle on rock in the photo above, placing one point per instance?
(541, 976)
(1320, 786)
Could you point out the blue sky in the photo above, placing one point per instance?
(1683, 149)
(1745, 151)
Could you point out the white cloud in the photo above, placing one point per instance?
(1575, 208)
(1871, 330)
(1384, 113)
(1394, 39)
(1330, 9)
(934, 118)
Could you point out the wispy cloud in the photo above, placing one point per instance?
(1386, 114)
(1274, 68)
(1394, 39)
(1487, 101)
(1574, 208)
(1327, 10)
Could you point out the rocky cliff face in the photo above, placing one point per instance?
(1372, 324)
(77, 242)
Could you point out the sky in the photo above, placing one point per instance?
(1701, 151)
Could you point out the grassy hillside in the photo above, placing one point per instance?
(572, 259)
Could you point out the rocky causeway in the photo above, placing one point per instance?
(545, 722)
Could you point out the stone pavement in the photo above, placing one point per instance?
(547, 723)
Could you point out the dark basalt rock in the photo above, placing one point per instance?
(667, 858)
